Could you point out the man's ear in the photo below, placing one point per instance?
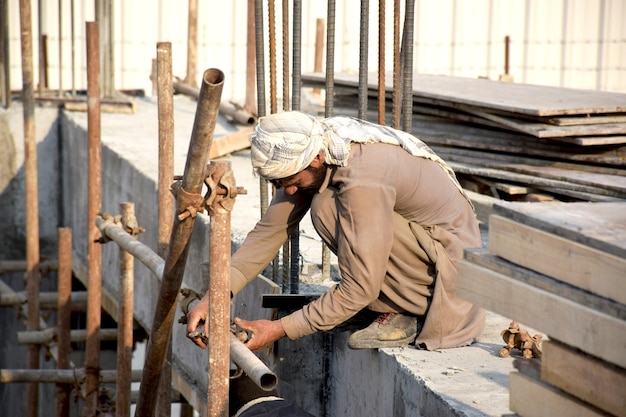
(318, 161)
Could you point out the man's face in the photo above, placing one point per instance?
(310, 179)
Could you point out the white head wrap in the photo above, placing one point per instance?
(283, 144)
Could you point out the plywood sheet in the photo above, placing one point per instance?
(599, 225)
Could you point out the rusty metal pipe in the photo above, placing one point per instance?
(252, 365)
(143, 253)
(33, 277)
(125, 321)
(218, 348)
(42, 337)
(94, 255)
(47, 300)
(192, 182)
(57, 376)
(19, 265)
(64, 313)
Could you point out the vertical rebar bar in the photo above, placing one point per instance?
(296, 78)
(397, 68)
(271, 24)
(250, 101)
(5, 73)
(64, 313)
(104, 17)
(319, 49)
(363, 57)
(73, 47)
(125, 320)
(60, 47)
(381, 62)
(94, 255)
(191, 184)
(507, 41)
(286, 106)
(407, 87)
(41, 45)
(260, 88)
(192, 39)
(219, 304)
(166, 200)
(33, 276)
(329, 102)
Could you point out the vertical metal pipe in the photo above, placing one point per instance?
(166, 201)
(125, 320)
(63, 318)
(219, 305)
(297, 56)
(250, 101)
(260, 87)
(192, 39)
(329, 102)
(192, 182)
(381, 62)
(94, 255)
(33, 276)
(286, 107)
(397, 69)
(407, 87)
(271, 24)
(363, 56)
(60, 47)
(5, 64)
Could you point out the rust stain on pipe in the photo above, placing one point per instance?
(192, 182)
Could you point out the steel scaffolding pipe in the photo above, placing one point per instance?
(58, 376)
(18, 266)
(247, 361)
(187, 198)
(42, 337)
(47, 300)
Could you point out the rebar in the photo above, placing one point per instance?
(271, 24)
(192, 40)
(191, 184)
(363, 56)
(397, 68)
(5, 63)
(94, 255)
(33, 277)
(381, 62)
(64, 313)
(260, 88)
(407, 87)
(296, 78)
(250, 101)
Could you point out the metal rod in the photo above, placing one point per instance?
(63, 317)
(250, 101)
(507, 42)
(192, 40)
(192, 182)
(47, 300)
(41, 52)
(58, 376)
(43, 337)
(271, 24)
(260, 88)
(218, 348)
(5, 62)
(60, 2)
(73, 47)
(125, 321)
(104, 18)
(381, 62)
(165, 95)
(296, 89)
(256, 370)
(286, 71)
(407, 87)
(397, 68)
(363, 57)
(19, 265)
(329, 102)
(33, 277)
(94, 255)
(149, 258)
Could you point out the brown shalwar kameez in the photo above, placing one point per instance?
(397, 224)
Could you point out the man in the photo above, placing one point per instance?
(388, 207)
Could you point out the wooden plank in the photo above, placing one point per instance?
(576, 264)
(599, 225)
(593, 332)
(511, 97)
(591, 140)
(531, 398)
(585, 119)
(482, 257)
(585, 377)
(483, 205)
(230, 143)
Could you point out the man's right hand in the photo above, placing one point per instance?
(197, 317)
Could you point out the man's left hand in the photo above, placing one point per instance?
(264, 332)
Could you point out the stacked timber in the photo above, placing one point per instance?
(515, 142)
(559, 268)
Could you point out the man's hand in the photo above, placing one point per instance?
(264, 332)
(198, 316)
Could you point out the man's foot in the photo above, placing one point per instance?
(388, 330)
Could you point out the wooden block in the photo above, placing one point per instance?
(531, 398)
(591, 331)
(585, 377)
(568, 261)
